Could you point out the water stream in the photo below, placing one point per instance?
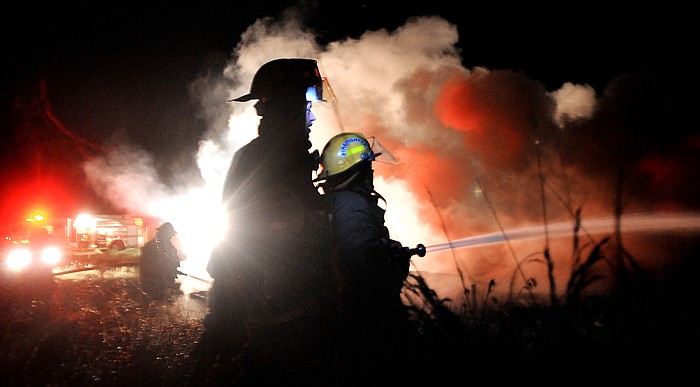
(653, 223)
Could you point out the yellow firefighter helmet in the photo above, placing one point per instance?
(343, 152)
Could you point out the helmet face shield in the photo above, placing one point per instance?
(321, 93)
(379, 150)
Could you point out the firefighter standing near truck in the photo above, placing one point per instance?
(271, 271)
(159, 263)
(371, 267)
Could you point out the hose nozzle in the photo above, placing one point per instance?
(419, 250)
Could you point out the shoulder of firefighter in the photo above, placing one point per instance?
(148, 248)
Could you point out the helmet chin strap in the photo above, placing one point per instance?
(366, 185)
(347, 182)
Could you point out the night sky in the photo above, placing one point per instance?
(81, 81)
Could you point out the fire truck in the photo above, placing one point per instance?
(36, 246)
(106, 231)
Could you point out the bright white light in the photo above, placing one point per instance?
(200, 222)
(85, 223)
(18, 259)
(51, 255)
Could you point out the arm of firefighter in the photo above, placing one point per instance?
(401, 259)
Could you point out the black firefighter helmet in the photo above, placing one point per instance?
(166, 230)
(283, 76)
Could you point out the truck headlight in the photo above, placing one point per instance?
(18, 259)
(51, 255)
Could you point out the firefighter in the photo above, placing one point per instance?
(371, 269)
(271, 271)
(159, 263)
(39, 240)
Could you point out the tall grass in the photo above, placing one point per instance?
(636, 329)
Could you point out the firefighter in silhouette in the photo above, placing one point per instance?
(271, 271)
(39, 240)
(371, 268)
(159, 263)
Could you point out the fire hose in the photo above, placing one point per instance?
(194, 276)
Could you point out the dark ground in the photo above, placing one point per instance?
(90, 329)
(100, 329)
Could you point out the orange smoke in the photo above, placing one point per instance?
(459, 105)
(496, 110)
(422, 168)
